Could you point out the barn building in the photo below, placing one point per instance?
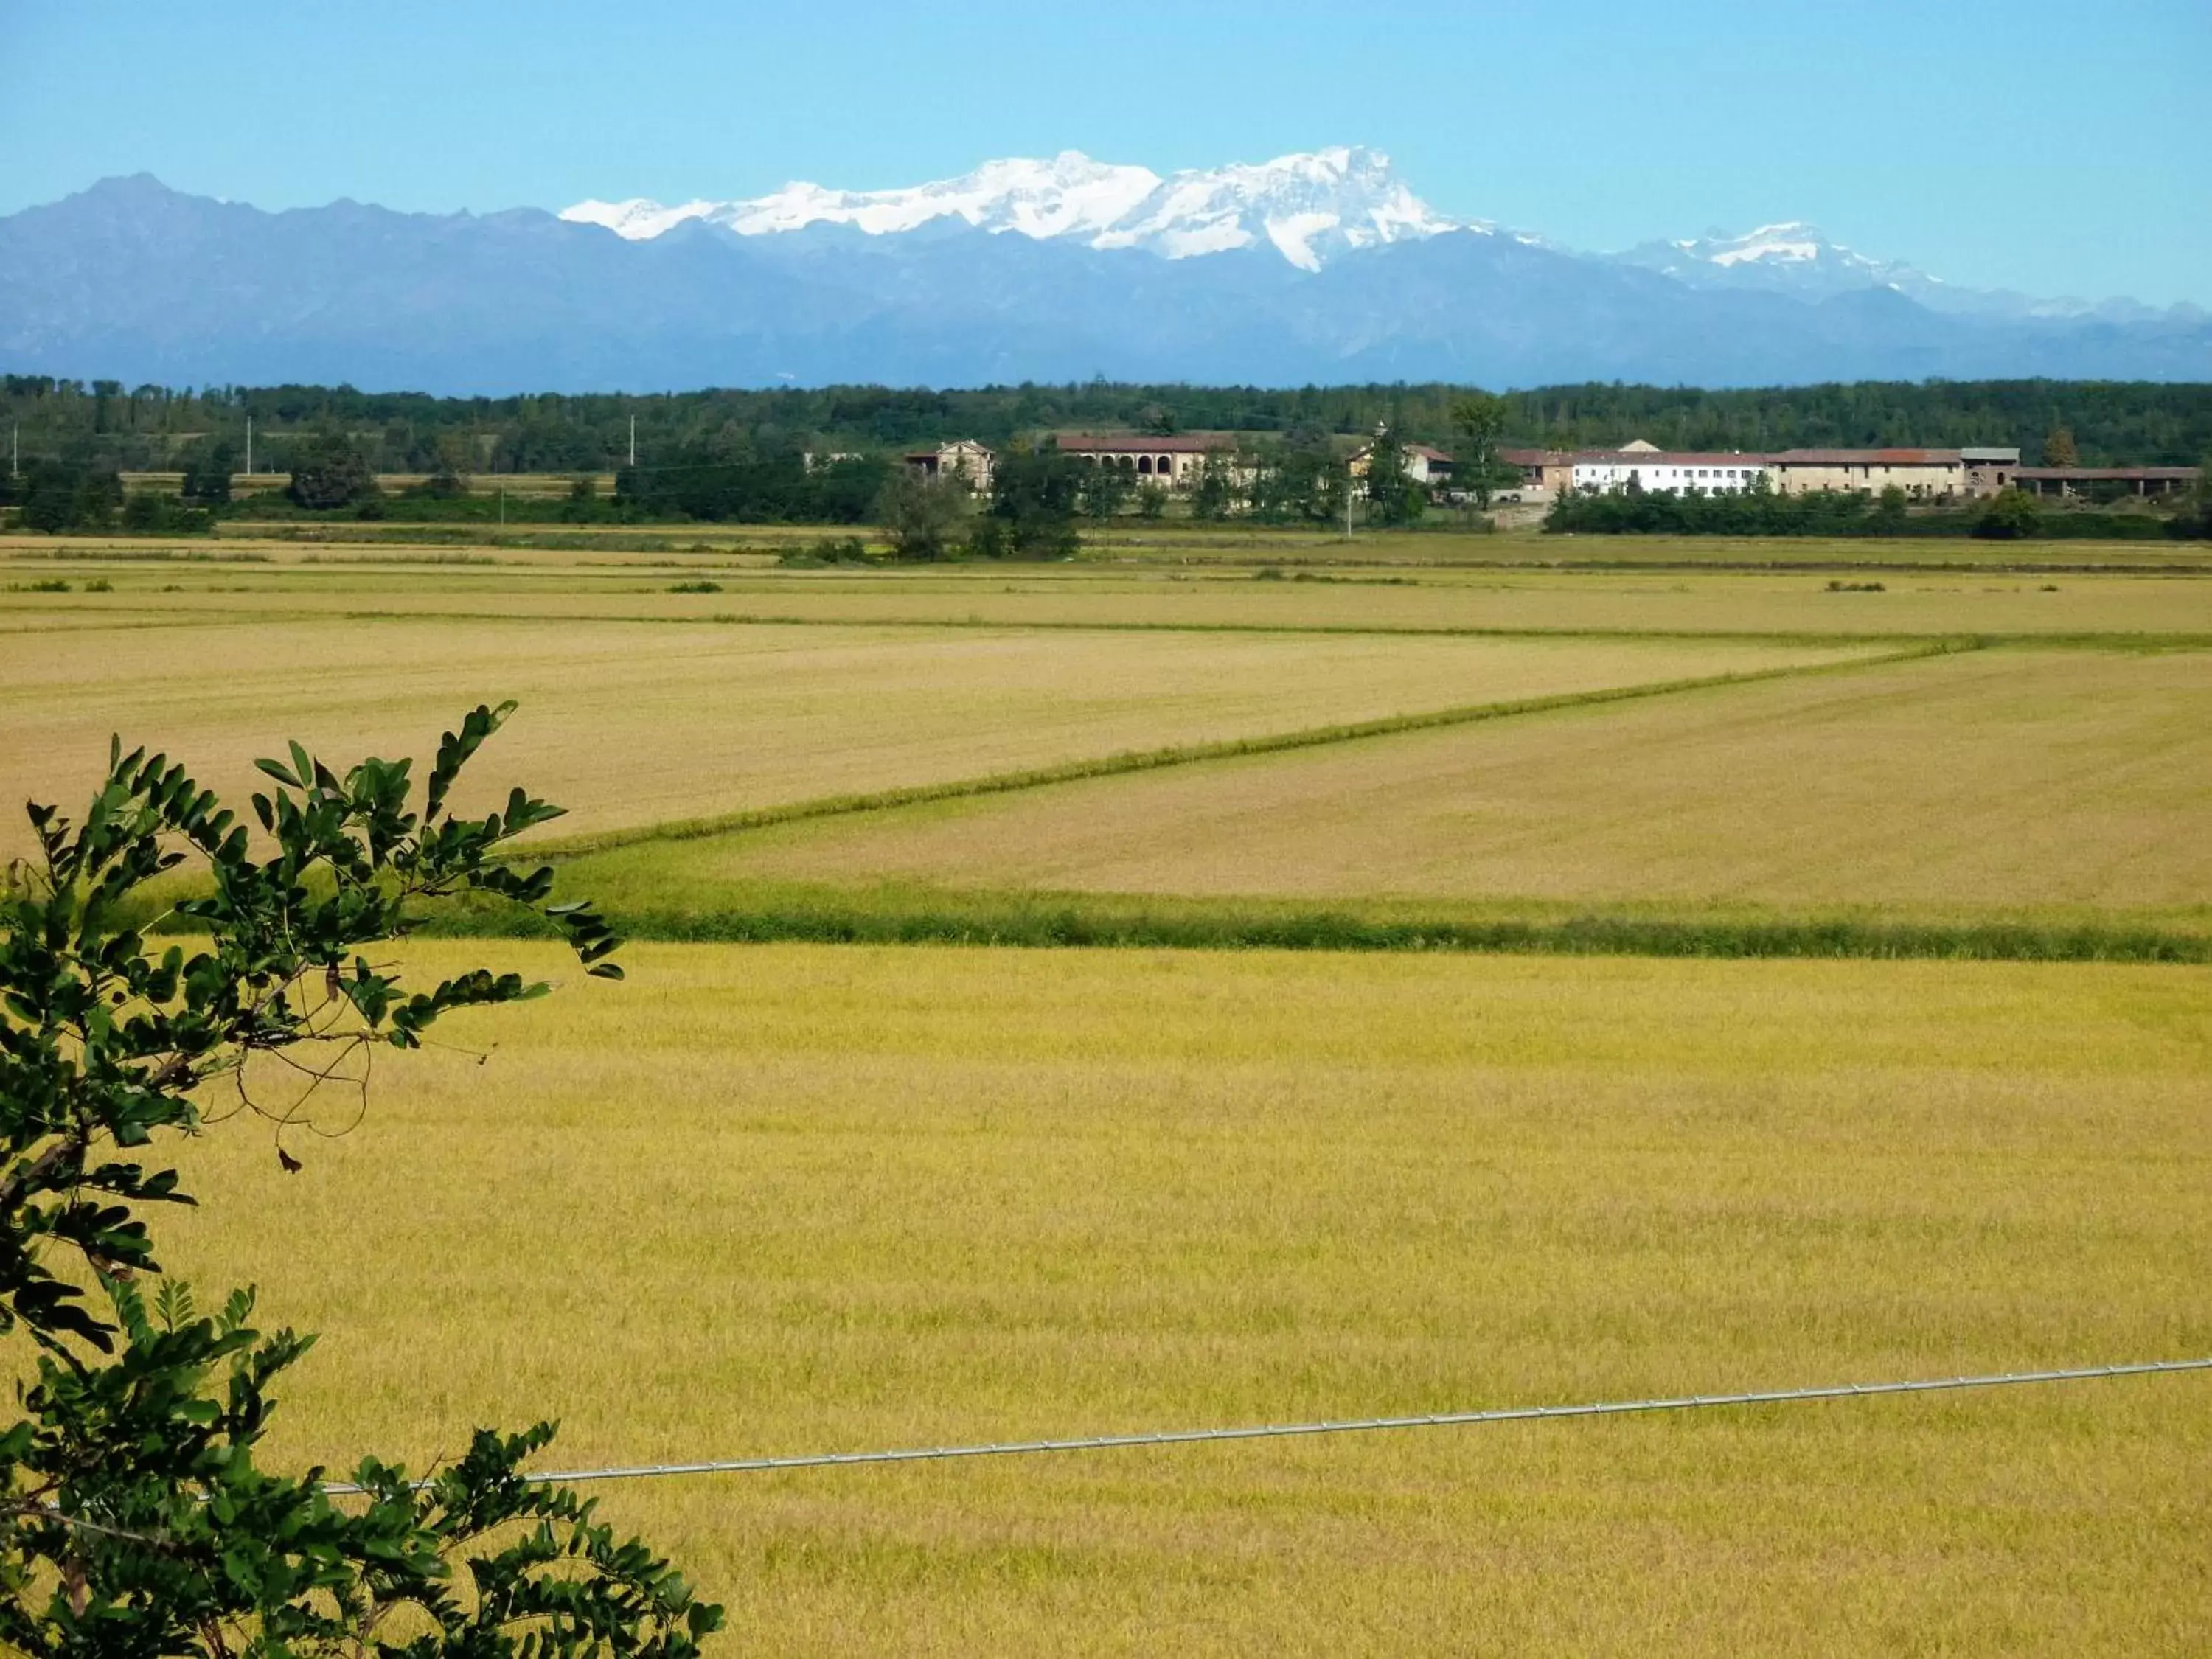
(1162, 462)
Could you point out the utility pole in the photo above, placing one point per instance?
(15, 449)
(633, 443)
(249, 448)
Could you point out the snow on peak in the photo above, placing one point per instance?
(1308, 207)
(1790, 257)
(1791, 242)
(637, 219)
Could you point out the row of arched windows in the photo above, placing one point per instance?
(1163, 465)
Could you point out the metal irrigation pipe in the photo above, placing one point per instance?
(1278, 1430)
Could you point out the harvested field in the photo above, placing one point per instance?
(515, 583)
(631, 723)
(2018, 781)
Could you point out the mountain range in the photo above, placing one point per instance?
(1322, 267)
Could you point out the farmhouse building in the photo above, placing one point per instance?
(961, 458)
(1425, 465)
(1600, 471)
(1921, 474)
(1165, 463)
(1551, 470)
(1990, 470)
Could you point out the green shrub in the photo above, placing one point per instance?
(2011, 515)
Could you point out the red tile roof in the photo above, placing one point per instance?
(1667, 458)
(1139, 443)
(1867, 457)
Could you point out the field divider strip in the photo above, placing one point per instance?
(1149, 760)
(1062, 922)
(2114, 641)
(1064, 625)
(1347, 1426)
(212, 617)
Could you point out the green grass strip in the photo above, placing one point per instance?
(1107, 922)
(1152, 760)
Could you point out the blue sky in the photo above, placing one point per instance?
(2052, 147)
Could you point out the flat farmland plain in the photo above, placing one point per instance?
(787, 1198)
(630, 723)
(2013, 781)
(795, 1198)
(1183, 544)
(375, 585)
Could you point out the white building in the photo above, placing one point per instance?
(1601, 471)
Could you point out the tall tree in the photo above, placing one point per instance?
(1479, 419)
(1034, 494)
(1213, 494)
(329, 470)
(1393, 497)
(1104, 490)
(2059, 449)
(58, 496)
(207, 469)
(921, 517)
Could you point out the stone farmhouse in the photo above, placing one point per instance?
(1921, 474)
(1543, 471)
(1158, 462)
(1990, 470)
(964, 458)
(1428, 467)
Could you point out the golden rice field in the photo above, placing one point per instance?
(796, 1197)
(634, 723)
(2012, 780)
(1178, 542)
(2153, 593)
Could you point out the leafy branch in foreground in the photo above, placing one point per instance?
(133, 1518)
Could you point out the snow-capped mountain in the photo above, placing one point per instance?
(1794, 258)
(1309, 208)
(1790, 257)
(1312, 210)
(1345, 276)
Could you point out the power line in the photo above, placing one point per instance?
(1355, 1426)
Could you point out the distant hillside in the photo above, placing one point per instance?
(1307, 278)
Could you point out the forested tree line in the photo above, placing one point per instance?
(153, 428)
